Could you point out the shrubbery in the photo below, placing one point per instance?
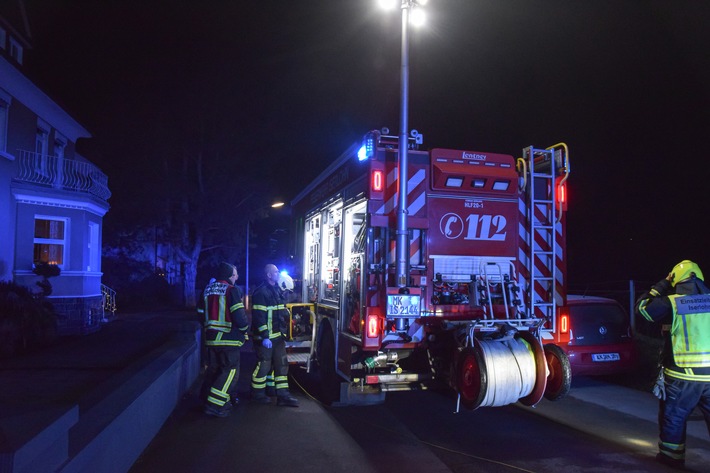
(26, 322)
(135, 283)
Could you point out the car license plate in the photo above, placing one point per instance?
(605, 357)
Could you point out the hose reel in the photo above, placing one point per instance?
(497, 373)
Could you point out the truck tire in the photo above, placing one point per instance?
(330, 382)
(559, 380)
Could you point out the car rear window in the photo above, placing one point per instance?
(598, 323)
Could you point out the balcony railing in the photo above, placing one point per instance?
(108, 299)
(62, 173)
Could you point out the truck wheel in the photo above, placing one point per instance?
(471, 378)
(330, 384)
(560, 378)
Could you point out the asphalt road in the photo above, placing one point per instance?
(412, 431)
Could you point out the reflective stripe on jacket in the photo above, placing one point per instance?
(686, 352)
(690, 332)
(269, 315)
(225, 319)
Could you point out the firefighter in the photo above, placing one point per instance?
(684, 381)
(270, 327)
(226, 328)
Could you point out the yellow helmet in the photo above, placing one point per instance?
(684, 270)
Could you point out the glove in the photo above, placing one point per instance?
(659, 389)
(266, 343)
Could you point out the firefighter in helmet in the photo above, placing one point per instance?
(681, 302)
(226, 328)
(270, 327)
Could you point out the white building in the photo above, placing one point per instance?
(52, 200)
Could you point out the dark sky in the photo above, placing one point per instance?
(290, 84)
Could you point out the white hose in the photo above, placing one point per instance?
(511, 371)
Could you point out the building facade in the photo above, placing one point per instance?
(52, 200)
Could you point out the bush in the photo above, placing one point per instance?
(136, 285)
(47, 271)
(26, 323)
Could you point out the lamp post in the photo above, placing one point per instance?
(402, 233)
(275, 205)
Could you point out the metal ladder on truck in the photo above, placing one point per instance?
(543, 217)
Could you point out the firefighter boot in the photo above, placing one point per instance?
(678, 464)
(286, 400)
(212, 410)
(259, 397)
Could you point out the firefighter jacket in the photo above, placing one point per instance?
(269, 316)
(225, 320)
(686, 354)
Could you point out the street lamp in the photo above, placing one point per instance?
(402, 241)
(275, 205)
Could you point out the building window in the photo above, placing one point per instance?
(60, 144)
(16, 50)
(94, 248)
(42, 141)
(41, 159)
(4, 113)
(50, 240)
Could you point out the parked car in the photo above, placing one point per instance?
(601, 341)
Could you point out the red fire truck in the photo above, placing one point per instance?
(486, 286)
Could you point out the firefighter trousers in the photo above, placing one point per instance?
(270, 360)
(682, 397)
(224, 374)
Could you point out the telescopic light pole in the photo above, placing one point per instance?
(275, 205)
(402, 233)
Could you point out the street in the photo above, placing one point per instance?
(412, 431)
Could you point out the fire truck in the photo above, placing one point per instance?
(485, 297)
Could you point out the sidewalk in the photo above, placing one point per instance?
(591, 404)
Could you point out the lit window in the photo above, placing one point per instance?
(501, 185)
(50, 240)
(454, 181)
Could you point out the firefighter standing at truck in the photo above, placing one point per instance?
(226, 326)
(684, 382)
(270, 327)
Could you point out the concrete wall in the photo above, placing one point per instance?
(113, 432)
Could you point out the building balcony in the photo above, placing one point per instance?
(61, 173)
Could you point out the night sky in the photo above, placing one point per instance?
(289, 84)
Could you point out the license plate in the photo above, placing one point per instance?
(403, 305)
(605, 357)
